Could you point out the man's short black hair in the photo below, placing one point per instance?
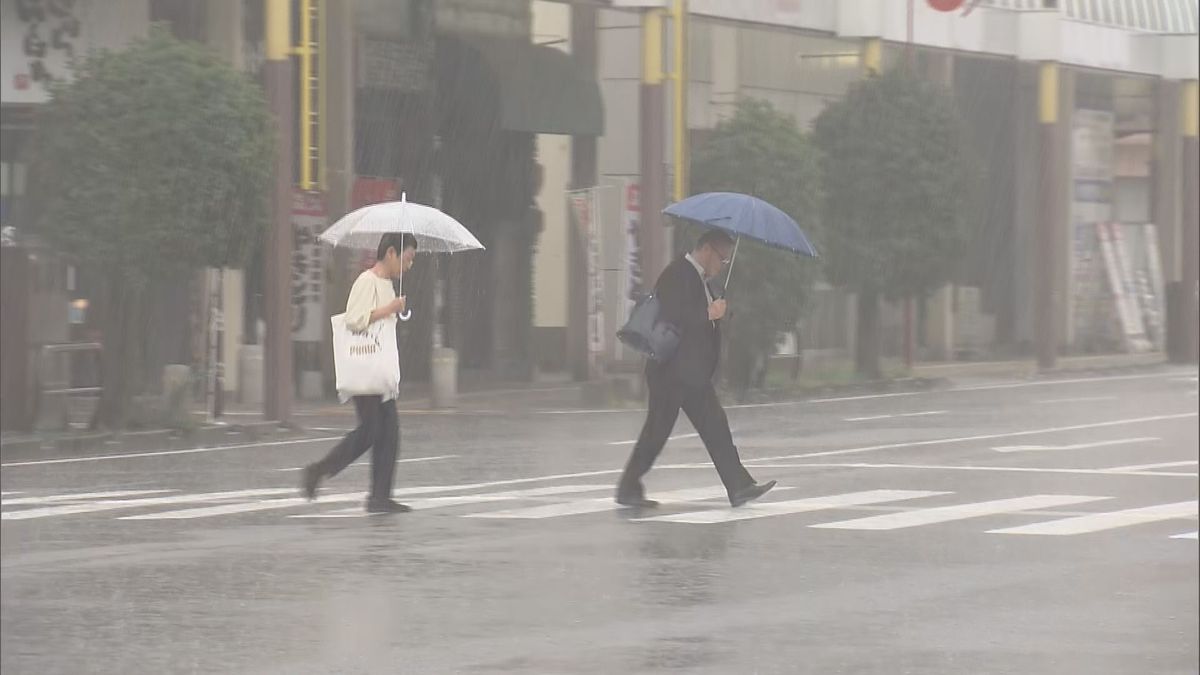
(396, 240)
(714, 238)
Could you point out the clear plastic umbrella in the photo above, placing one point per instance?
(435, 231)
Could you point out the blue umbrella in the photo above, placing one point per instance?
(744, 216)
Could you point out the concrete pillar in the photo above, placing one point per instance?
(940, 319)
(279, 75)
(1047, 297)
(652, 239)
(584, 174)
(1189, 312)
(339, 177)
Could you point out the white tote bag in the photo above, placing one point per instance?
(366, 363)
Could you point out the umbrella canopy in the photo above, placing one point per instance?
(435, 231)
(744, 216)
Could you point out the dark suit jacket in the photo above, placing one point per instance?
(684, 304)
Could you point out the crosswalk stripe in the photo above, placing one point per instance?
(1187, 535)
(112, 505)
(1096, 522)
(460, 500)
(598, 505)
(944, 514)
(81, 496)
(271, 504)
(765, 509)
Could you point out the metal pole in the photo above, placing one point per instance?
(278, 366)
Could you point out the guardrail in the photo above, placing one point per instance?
(56, 380)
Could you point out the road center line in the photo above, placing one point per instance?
(1147, 467)
(407, 460)
(1077, 446)
(672, 438)
(981, 437)
(951, 467)
(869, 418)
(165, 453)
(1078, 399)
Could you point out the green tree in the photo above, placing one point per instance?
(895, 184)
(761, 151)
(153, 161)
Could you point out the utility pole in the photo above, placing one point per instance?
(278, 386)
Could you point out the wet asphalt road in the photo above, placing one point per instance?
(1004, 527)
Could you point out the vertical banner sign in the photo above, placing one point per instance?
(1121, 282)
(633, 259)
(583, 208)
(1093, 151)
(1158, 299)
(309, 219)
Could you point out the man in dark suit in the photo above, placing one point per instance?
(685, 381)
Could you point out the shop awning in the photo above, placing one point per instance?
(542, 89)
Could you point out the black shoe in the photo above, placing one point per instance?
(636, 501)
(386, 506)
(310, 482)
(750, 493)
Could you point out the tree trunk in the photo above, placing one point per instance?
(120, 362)
(867, 338)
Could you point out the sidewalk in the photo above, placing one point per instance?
(244, 424)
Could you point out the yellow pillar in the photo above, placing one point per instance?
(872, 56)
(680, 75)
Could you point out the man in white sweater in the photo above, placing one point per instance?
(372, 298)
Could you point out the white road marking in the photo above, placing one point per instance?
(599, 505)
(5, 494)
(165, 453)
(867, 397)
(1097, 522)
(399, 461)
(95, 507)
(982, 437)
(1078, 399)
(948, 467)
(672, 438)
(1188, 535)
(81, 496)
(945, 514)
(271, 504)
(1146, 467)
(765, 509)
(460, 500)
(1076, 446)
(887, 417)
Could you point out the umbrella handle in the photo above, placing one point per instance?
(405, 316)
(732, 260)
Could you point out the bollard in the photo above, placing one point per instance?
(444, 378)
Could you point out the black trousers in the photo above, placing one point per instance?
(667, 397)
(379, 430)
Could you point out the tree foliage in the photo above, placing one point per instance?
(895, 183)
(761, 151)
(151, 161)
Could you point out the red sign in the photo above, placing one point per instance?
(369, 191)
(945, 5)
(633, 198)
